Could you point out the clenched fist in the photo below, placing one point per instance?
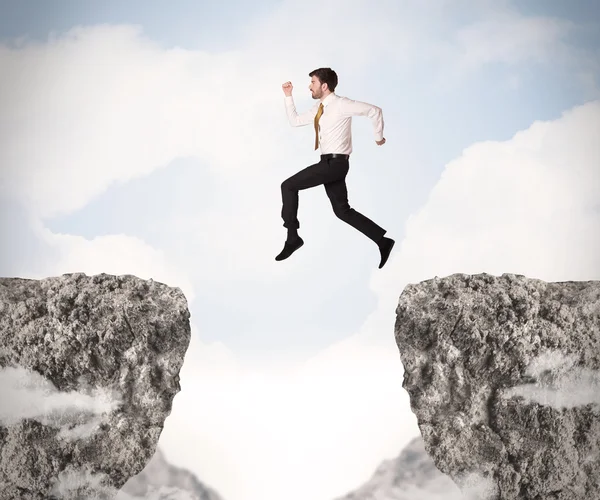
(287, 88)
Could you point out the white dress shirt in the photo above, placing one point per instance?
(336, 121)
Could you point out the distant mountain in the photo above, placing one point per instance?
(161, 480)
(410, 476)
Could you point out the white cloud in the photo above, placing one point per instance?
(117, 255)
(104, 104)
(511, 38)
(559, 382)
(77, 414)
(69, 483)
(334, 418)
(476, 486)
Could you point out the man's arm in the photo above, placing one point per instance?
(294, 118)
(357, 108)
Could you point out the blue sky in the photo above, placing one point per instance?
(186, 24)
(153, 141)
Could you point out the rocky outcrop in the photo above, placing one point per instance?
(89, 367)
(503, 377)
(161, 480)
(410, 476)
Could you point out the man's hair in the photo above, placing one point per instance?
(326, 75)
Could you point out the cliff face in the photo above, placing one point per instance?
(503, 376)
(410, 476)
(89, 367)
(162, 481)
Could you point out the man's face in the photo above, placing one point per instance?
(315, 88)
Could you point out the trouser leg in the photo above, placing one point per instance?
(338, 196)
(314, 175)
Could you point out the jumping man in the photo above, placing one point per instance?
(332, 119)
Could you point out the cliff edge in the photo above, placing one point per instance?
(503, 377)
(89, 367)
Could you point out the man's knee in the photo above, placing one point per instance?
(342, 211)
(287, 185)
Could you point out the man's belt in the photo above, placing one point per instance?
(334, 155)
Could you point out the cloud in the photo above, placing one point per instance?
(70, 482)
(114, 254)
(104, 104)
(333, 418)
(476, 486)
(77, 414)
(559, 382)
(511, 38)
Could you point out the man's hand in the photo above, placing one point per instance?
(287, 88)
(382, 141)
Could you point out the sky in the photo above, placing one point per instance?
(152, 140)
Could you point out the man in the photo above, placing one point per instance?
(332, 118)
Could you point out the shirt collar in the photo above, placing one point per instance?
(328, 99)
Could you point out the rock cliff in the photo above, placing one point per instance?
(89, 367)
(503, 377)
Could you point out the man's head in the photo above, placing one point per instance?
(322, 82)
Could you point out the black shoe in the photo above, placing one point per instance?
(385, 247)
(289, 248)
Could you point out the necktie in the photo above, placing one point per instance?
(319, 113)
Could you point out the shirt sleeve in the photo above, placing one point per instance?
(348, 107)
(299, 120)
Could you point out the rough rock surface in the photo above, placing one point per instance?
(410, 476)
(89, 367)
(503, 377)
(161, 480)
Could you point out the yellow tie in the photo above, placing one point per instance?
(319, 113)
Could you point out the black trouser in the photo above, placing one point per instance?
(331, 172)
